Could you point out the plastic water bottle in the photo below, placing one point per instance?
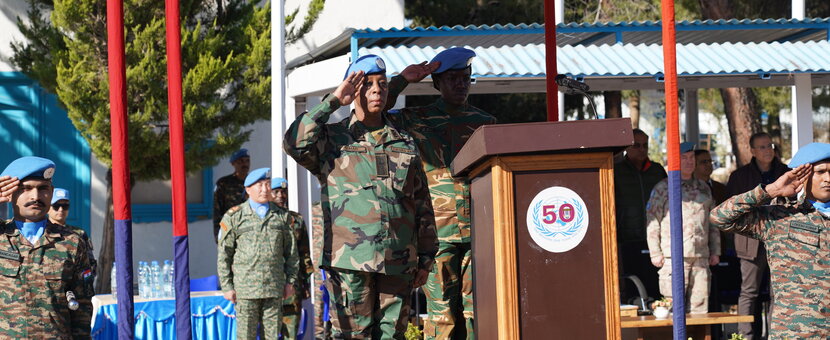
(142, 279)
(113, 284)
(167, 275)
(155, 279)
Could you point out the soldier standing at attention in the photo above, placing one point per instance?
(59, 212)
(292, 305)
(257, 259)
(46, 274)
(322, 323)
(229, 190)
(796, 235)
(764, 168)
(701, 244)
(441, 129)
(379, 233)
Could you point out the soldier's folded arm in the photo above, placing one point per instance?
(306, 137)
(746, 214)
(226, 249)
(82, 286)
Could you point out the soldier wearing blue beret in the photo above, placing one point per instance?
(257, 258)
(58, 214)
(379, 232)
(230, 190)
(441, 129)
(795, 234)
(43, 265)
(292, 305)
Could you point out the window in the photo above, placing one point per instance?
(152, 201)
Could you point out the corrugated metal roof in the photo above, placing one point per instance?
(636, 32)
(523, 61)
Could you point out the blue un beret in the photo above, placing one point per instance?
(30, 166)
(239, 154)
(369, 64)
(59, 194)
(686, 147)
(455, 58)
(257, 175)
(278, 182)
(810, 153)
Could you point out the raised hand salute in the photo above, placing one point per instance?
(791, 182)
(8, 185)
(417, 72)
(347, 91)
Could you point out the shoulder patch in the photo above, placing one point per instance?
(224, 226)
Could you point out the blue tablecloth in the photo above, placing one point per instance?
(212, 317)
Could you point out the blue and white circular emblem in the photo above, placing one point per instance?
(557, 219)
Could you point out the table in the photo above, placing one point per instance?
(212, 317)
(697, 325)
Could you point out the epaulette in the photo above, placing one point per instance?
(233, 209)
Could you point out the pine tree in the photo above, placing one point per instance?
(226, 50)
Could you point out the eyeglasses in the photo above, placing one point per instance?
(765, 147)
(58, 206)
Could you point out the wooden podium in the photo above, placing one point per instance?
(544, 233)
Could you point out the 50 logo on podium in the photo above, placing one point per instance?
(557, 219)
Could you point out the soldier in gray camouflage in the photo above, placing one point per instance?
(379, 233)
(796, 234)
(701, 242)
(229, 190)
(42, 265)
(292, 306)
(257, 259)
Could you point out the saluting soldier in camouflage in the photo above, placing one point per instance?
(42, 265)
(796, 234)
(292, 306)
(701, 242)
(59, 212)
(229, 190)
(257, 259)
(441, 129)
(379, 229)
(322, 324)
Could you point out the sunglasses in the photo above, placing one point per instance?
(58, 206)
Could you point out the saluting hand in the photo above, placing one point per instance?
(8, 185)
(791, 182)
(347, 91)
(417, 72)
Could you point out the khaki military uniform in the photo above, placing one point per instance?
(229, 192)
(699, 239)
(379, 227)
(797, 239)
(440, 133)
(35, 279)
(257, 257)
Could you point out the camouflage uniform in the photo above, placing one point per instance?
(35, 280)
(797, 239)
(292, 305)
(322, 328)
(90, 251)
(699, 239)
(257, 257)
(440, 134)
(379, 228)
(229, 192)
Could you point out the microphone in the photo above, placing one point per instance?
(70, 298)
(571, 85)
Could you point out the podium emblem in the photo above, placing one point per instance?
(557, 219)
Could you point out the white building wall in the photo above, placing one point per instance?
(10, 10)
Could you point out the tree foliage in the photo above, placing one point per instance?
(226, 75)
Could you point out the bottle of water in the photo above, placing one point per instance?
(142, 279)
(167, 275)
(113, 284)
(155, 279)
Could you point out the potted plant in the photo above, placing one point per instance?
(660, 308)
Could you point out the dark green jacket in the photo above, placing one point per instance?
(632, 188)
